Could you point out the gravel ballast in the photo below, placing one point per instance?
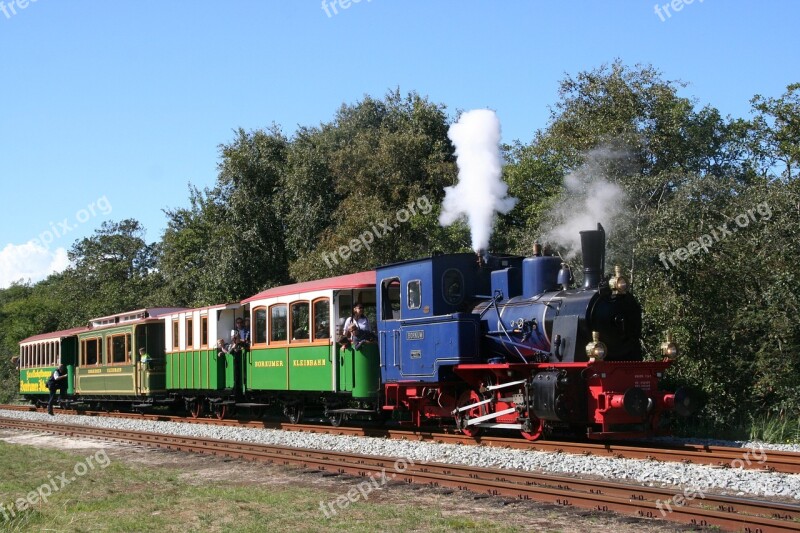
(737, 481)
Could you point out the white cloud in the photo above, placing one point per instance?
(30, 262)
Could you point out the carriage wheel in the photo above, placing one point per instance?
(221, 411)
(196, 408)
(536, 429)
(336, 419)
(469, 397)
(294, 413)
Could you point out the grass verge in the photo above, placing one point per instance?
(121, 498)
(779, 429)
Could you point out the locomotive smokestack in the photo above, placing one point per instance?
(481, 257)
(593, 248)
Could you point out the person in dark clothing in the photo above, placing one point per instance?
(57, 382)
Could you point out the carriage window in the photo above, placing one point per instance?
(277, 323)
(414, 296)
(175, 339)
(204, 332)
(260, 333)
(90, 349)
(118, 348)
(300, 321)
(453, 286)
(390, 299)
(322, 319)
(189, 333)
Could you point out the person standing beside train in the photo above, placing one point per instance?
(57, 382)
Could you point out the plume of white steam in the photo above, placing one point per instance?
(480, 191)
(588, 198)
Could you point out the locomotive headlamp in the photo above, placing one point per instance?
(596, 349)
(668, 348)
(618, 283)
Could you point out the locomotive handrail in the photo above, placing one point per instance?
(435, 318)
(508, 341)
(493, 304)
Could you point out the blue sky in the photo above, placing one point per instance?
(108, 110)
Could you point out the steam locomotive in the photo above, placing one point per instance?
(486, 342)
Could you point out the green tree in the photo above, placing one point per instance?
(230, 242)
(776, 133)
(374, 160)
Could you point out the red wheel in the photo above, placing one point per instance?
(196, 409)
(537, 429)
(221, 412)
(469, 397)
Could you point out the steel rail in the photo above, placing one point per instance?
(720, 456)
(730, 513)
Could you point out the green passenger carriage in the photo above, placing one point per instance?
(293, 360)
(40, 355)
(294, 357)
(109, 367)
(194, 371)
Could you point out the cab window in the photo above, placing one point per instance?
(453, 286)
(413, 295)
(390, 299)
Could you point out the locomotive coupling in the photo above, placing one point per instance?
(635, 402)
(684, 401)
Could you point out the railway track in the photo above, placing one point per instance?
(708, 510)
(720, 456)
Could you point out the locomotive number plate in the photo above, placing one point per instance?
(415, 335)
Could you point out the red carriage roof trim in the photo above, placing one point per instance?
(359, 280)
(53, 335)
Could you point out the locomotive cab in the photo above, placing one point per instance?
(425, 319)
